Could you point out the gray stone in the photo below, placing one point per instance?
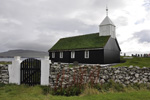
(117, 81)
(145, 73)
(66, 76)
(137, 75)
(132, 73)
(120, 77)
(144, 79)
(135, 81)
(127, 78)
(117, 71)
(102, 81)
(127, 82)
(137, 67)
(104, 77)
(131, 66)
(105, 71)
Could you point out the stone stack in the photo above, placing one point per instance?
(63, 76)
(125, 75)
(4, 74)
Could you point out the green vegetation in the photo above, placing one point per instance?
(69, 91)
(81, 42)
(109, 91)
(70, 65)
(4, 62)
(135, 61)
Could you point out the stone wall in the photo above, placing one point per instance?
(63, 76)
(4, 74)
(125, 75)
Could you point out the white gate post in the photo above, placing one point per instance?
(45, 65)
(14, 71)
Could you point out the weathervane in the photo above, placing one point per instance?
(106, 10)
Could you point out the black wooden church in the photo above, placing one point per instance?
(96, 48)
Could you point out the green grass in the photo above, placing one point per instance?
(81, 42)
(22, 92)
(5, 63)
(135, 61)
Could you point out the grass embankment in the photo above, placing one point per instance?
(135, 61)
(22, 92)
(4, 62)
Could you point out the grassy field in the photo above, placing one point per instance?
(5, 63)
(135, 61)
(22, 92)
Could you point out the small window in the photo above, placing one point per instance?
(53, 54)
(72, 54)
(86, 54)
(61, 54)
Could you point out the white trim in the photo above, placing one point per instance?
(61, 54)
(86, 54)
(72, 54)
(53, 54)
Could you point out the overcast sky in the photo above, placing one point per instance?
(39, 24)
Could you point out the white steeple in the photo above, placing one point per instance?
(107, 21)
(107, 27)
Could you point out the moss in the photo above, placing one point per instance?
(81, 42)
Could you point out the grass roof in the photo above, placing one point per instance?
(81, 42)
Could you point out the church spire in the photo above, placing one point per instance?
(106, 10)
(107, 27)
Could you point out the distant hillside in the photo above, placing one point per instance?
(23, 53)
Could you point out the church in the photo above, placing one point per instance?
(95, 48)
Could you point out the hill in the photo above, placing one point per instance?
(23, 53)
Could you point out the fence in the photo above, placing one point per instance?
(29, 71)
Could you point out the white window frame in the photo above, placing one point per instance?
(61, 54)
(72, 54)
(86, 54)
(53, 54)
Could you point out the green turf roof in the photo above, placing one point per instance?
(81, 42)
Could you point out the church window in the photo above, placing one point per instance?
(86, 54)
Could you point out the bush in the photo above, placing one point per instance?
(46, 89)
(2, 84)
(69, 91)
(110, 86)
(90, 89)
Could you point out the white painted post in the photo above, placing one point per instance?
(45, 65)
(14, 71)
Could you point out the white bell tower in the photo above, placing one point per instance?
(107, 27)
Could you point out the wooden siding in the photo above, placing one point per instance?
(95, 57)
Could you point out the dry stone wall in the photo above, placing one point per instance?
(63, 76)
(4, 74)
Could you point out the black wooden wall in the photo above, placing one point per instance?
(95, 57)
(111, 51)
(111, 56)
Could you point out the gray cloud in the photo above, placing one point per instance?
(147, 4)
(121, 21)
(143, 36)
(38, 24)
